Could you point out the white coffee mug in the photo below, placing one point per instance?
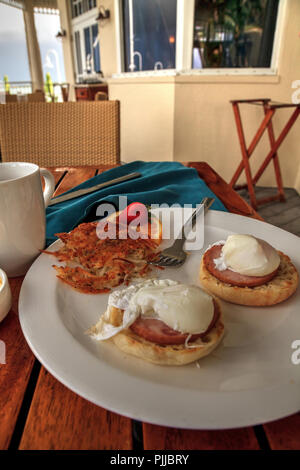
(22, 214)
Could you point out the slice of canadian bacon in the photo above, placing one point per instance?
(156, 331)
(232, 277)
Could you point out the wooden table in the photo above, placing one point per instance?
(38, 412)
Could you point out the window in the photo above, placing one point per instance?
(149, 34)
(13, 51)
(91, 48)
(96, 48)
(87, 50)
(86, 42)
(79, 7)
(192, 36)
(78, 52)
(47, 25)
(234, 33)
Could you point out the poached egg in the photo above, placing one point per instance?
(248, 255)
(184, 308)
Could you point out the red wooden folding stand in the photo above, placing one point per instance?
(269, 108)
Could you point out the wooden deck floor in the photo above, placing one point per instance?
(285, 215)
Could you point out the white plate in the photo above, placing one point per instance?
(249, 379)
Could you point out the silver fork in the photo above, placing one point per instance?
(175, 256)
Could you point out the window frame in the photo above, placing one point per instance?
(14, 4)
(75, 3)
(79, 24)
(184, 42)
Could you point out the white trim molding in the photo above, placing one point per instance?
(184, 34)
(119, 35)
(147, 73)
(278, 36)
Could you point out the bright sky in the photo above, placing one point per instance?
(13, 51)
(11, 22)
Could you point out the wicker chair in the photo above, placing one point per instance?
(11, 98)
(37, 97)
(54, 134)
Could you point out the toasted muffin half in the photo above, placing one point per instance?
(169, 354)
(279, 288)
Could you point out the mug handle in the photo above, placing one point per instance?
(49, 185)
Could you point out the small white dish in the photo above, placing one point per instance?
(5, 295)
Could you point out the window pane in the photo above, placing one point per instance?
(87, 46)
(78, 52)
(47, 26)
(234, 33)
(96, 48)
(150, 34)
(13, 50)
(78, 7)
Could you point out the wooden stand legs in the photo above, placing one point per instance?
(269, 111)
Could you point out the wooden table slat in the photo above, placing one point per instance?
(79, 425)
(59, 419)
(73, 178)
(160, 438)
(103, 168)
(14, 375)
(284, 434)
(57, 175)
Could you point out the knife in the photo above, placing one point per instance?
(82, 192)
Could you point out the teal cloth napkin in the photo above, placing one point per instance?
(161, 182)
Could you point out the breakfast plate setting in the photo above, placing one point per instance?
(224, 356)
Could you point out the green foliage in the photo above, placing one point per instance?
(235, 14)
(234, 18)
(244, 12)
(48, 87)
(6, 84)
